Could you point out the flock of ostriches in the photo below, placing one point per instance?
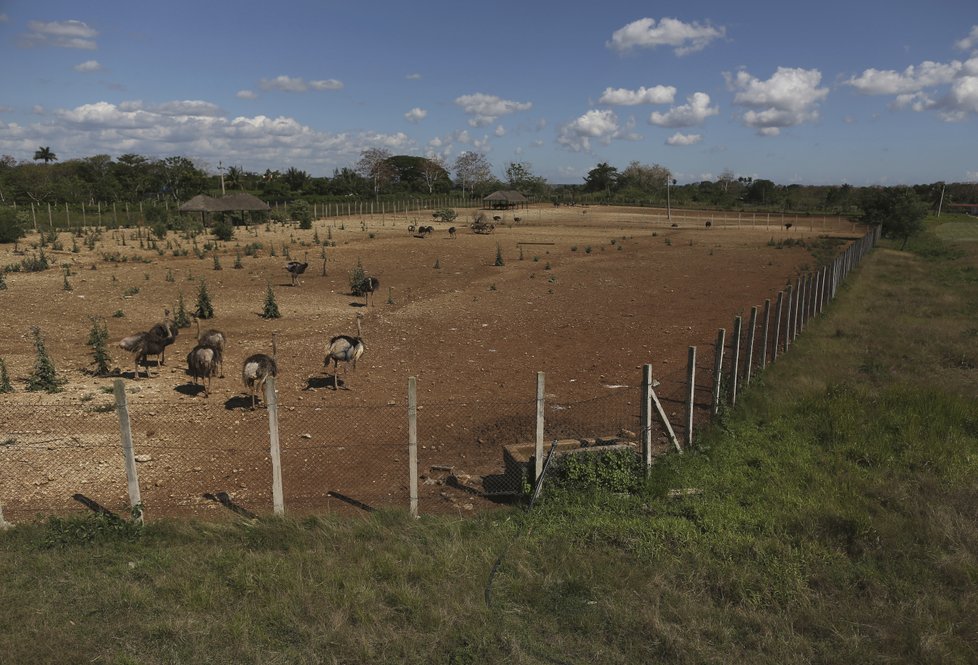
(207, 358)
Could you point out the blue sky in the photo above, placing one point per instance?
(859, 92)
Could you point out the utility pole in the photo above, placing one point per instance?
(941, 202)
(669, 182)
(220, 167)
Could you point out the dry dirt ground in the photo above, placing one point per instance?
(586, 295)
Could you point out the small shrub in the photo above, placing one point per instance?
(118, 314)
(302, 213)
(204, 308)
(3, 280)
(270, 310)
(169, 275)
(217, 262)
(358, 278)
(5, 386)
(223, 230)
(237, 261)
(130, 291)
(13, 224)
(98, 338)
(499, 256)
(617, 470)
(437, 264)
(44, 376)
(180, 318)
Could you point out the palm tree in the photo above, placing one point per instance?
(44, 152)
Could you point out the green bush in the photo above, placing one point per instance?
(13, 225)
(615, 470)
(270, 310)
(223, 230)
(44, 376)
(302, 213)
(204, 308)
(98, 338)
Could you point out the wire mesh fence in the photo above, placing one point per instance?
(194, 459)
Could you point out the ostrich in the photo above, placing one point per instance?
(345, 349)
(257, 368)
(517, 219)
(213, 339)
(167, 331)
(451, 233)
(709, 223)
(144, 344)
(369, 286)
(295, 269)
(203, 362)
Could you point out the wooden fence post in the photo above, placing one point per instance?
(125, 430)
(767, 324)
(691, 395)
(271, 403)
(735, 359)
(750, 345)
(787, 317)
(718, 368)
(538, 450)
(413, 444)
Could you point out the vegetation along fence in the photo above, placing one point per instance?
(124, 453)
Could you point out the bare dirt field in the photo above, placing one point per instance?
(586, 295)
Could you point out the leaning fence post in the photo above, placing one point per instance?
(413, 444)
(691, 395)
(735, 358)
(125, 430)
(718, 368)
(538, 466)
(777, 325)
(767, 325)
(646, 415)
(271, 402)
(750, 345)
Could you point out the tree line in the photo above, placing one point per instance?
(380, 174)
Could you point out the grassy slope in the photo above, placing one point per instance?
(836, 521)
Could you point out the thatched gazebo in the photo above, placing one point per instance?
(237, 202)
(505, 199)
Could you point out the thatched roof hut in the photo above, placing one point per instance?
(505, 199)
(202, 203)
(237, 202)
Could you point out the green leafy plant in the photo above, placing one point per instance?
(180, 317)
(499, 256)
(5, 386)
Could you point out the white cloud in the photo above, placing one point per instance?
(912, 79)
(63, 34)
(297, 84)
(790, 97)
(598, 125)
(88, 66)
(485, 109)
(415, 115)
(962, 99)
(684, 139)
(685, 38)
(660, 94)
(200, 131)
(37, 109)
(694, 112)
(500, 131)
(328, 84)
(969, 42)
(413, 77)
(246, 94)
(971, 176)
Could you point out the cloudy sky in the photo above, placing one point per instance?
(863, 92)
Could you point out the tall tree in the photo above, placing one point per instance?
(295, 179)
(44, 153)
(602, 178)
(644, 178)
(898, 209)
(519, 176)
(472, 169)
(374, 164)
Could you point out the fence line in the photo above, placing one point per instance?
(186, 459)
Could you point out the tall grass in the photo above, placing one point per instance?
(830, 518)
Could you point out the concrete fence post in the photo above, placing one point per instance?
(752, 334)
(691, 394)
(275, 452)
(718, 368)
(538, 447)
(125, 431)
(735, 358)
(413, 445)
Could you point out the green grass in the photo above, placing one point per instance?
(829, 518)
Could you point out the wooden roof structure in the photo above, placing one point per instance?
(231, 202)
(505, 198)
(202, 203)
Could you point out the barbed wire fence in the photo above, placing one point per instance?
(455, 455)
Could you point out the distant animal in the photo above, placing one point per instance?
(167, 331)
(214, 339)
(411, 228)
(787, 226)
(709, 223)
(451, 232)
(517, 219)
(369, 286)
(496, 218)
(425, 230)
(144, 344)
(257, 369)
(202, 362)
(295, 269)
(345, 349)
(675, 226)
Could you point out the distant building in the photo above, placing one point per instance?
(966, 208)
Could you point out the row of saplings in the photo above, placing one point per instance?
(206, 359)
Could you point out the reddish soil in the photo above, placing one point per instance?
(586, 296)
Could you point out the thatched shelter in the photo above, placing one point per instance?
(505, 199)
(237, 202)
(202, 203)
